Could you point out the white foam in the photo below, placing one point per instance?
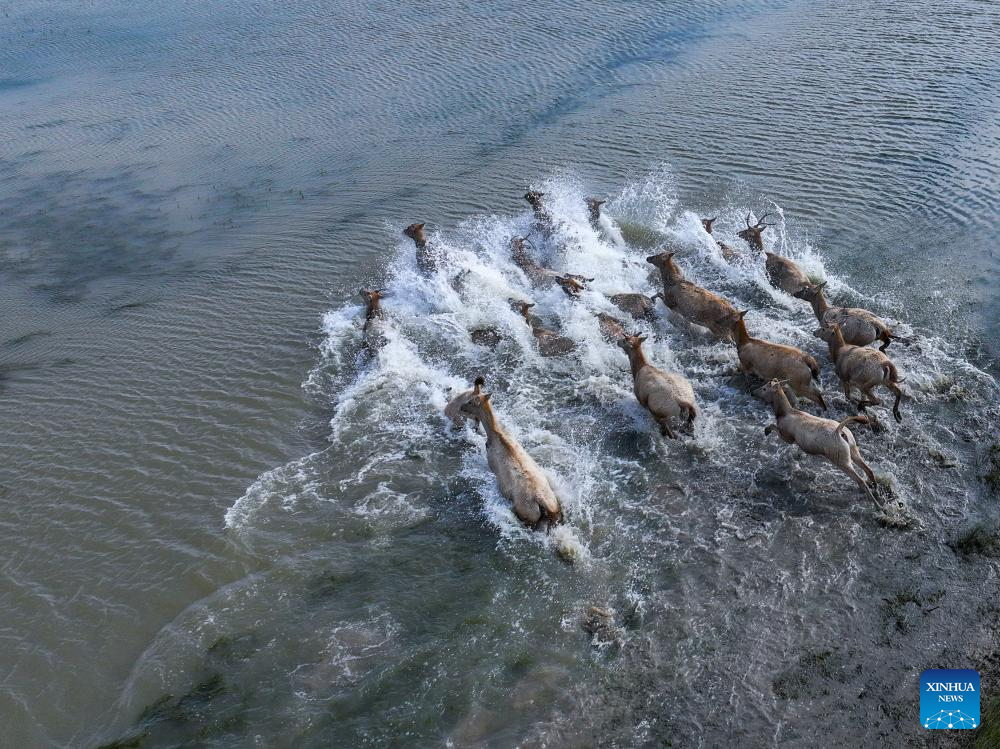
(561, 407)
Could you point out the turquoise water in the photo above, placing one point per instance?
(203, 494)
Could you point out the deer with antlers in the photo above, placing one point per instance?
(783, 273)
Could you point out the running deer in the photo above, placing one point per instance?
(858, 326)
(612, 329)
(783, 273)
(550, 343)
(594, 212)
(520, 480)
(769, 361)
(691, 301)
(544, 222)
(666, 395)
(541, 276)
(427, 260)
(861, 367)
(818, 436)
(639, 306)
(371, 334)
(454, 408)
(729, 253)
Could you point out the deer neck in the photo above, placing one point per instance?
(780, 403)
(819, 305)
(638, 360)
(374, 309)
(743, 336)
(836, 344)
(489, 421)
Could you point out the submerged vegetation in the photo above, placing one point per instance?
(979, 540)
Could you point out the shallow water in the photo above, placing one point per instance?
(206, 492)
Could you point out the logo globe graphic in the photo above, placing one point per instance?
(950, 719)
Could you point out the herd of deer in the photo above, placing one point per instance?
(668, 396)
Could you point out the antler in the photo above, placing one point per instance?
(760, 221)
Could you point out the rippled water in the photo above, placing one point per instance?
(207, 494)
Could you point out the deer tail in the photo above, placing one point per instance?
(848, 420)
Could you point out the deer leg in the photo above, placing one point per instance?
(886, 340)
(856, 458)
(816, 397)
(895, 406)
(847, 389)
(870, 396)
(849, 470)
(665, 429)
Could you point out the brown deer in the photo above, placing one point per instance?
(818, 436)
(427, 259)
(544, 222)
(666, 395)
(519, 479)
(454, 408)
(729, 253)
(769, 361)
(861, 367)
(549, 342)
(859, 327)
(612, 329)
(594, 212)
(539, 275)
(784, 274)
(691, 301)
(371, 334)
(639, 306)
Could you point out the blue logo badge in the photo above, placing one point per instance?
(949, 698)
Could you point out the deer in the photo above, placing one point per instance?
(666, 395)
(729, 253)
(691, 301)
(544, 222)
(612, 329)
(859, 327)
(768, 361)
(519, 479)
(816, 435)
(371, 333)
(862, 368)
(784, 274)
(427, 258)
(539, 275)
(594, 212)
(550, 343)
(639, 306)
(453, 410)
